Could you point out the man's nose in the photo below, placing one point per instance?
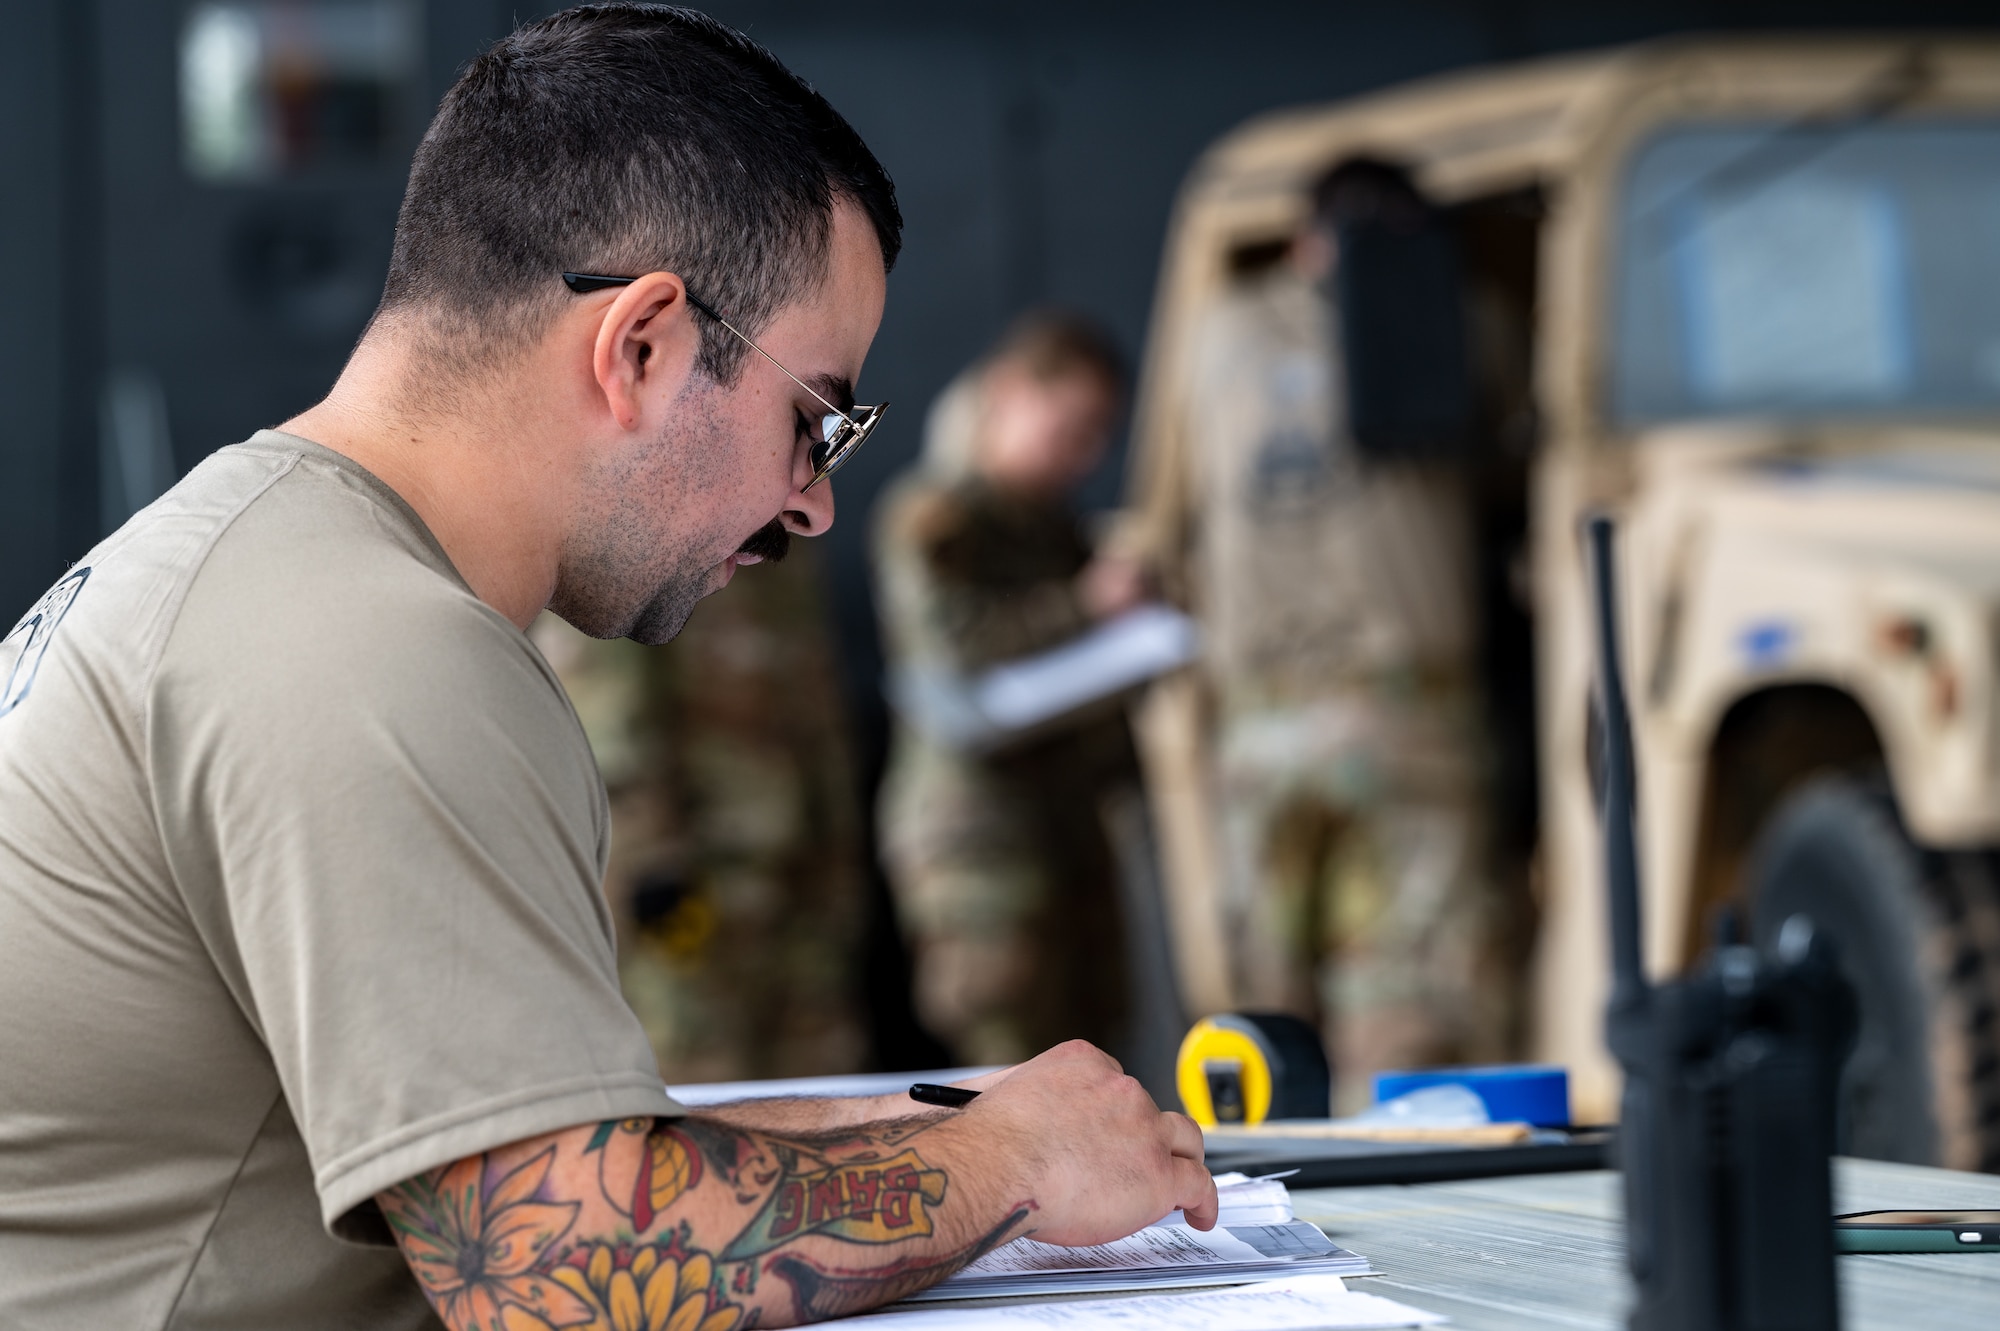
(809, 512)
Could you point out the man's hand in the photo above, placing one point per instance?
(1102, 1160)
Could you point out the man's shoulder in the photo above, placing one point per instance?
(275, 511)
(327, 580)
(324, 520)
(117, 605)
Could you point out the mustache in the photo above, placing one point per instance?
(769, 542)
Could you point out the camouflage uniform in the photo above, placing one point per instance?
(736, 873)
(1337, 607)
(1004, 878)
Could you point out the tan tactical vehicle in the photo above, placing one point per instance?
(1745, 295)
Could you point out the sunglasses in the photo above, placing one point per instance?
(841, 432)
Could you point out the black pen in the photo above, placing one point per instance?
(945, 1097)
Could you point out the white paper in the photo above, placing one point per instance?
(1299, 1303)
(1293, 1241)
(1114, 656)
(1153, 1248)
(1015, 696)
(1160, 1257)
(1258, 1238)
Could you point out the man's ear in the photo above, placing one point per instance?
(646, 339)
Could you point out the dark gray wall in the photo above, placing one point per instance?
(45, 283)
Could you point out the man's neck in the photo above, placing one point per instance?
(491, 499)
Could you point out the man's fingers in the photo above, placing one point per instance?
(1183, 1137)
(1194, 1186)
(1194, 1192)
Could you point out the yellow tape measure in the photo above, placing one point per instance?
(1246, 1067)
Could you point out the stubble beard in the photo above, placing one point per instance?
(626, 573)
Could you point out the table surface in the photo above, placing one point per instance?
(1547, 1250)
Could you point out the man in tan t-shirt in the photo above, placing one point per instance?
(301, 944)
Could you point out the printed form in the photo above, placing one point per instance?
(1153, 1248)
(1301, 1303)
(1256, 1239)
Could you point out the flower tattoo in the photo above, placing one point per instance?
(476, 1249)
(648, 1289)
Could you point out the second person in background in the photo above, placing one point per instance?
(998, 855)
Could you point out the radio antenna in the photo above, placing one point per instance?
(1621, 855)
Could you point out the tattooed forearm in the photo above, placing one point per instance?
(672, 1225)
(823, 1292)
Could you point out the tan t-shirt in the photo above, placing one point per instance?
(300, 846)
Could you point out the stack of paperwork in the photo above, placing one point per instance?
(1256, 1238)
(1296, 1303)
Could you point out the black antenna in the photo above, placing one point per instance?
(1731, 1075)
(1621, 854)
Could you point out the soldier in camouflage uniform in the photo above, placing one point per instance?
(1343, 737)
(1004, 878)
(735, 874)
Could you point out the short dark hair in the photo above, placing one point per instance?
(1049, 343)
(626, 139)
(1368, 190)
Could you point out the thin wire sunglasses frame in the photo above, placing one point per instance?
(841, 432)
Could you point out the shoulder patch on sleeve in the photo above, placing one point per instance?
(21, 651)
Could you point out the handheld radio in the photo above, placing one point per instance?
(1731, 1077)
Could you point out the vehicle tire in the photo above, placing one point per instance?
(1918, 934)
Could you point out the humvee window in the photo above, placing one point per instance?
(1854, 271)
